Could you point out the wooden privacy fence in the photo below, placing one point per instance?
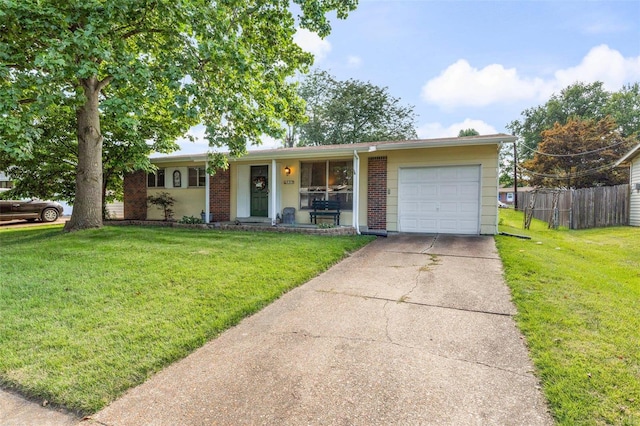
(579, 208)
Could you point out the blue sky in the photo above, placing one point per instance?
(477, 64)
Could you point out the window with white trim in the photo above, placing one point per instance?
(197, 176)
(156, 180)
(326, 180)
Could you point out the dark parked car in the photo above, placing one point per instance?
(46, 211)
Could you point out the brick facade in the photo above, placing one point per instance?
(377, 193)
(220, 195)
(135, 196)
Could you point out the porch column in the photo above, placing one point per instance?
(356, 191)
(207, 192)
(274, 192)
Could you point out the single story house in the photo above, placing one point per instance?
(447, 185)
(5, 181)
(507, 194)
(632, 158)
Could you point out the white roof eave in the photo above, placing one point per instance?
(629, 155)
(346, 150)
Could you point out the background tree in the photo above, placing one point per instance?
(49, 172)
(170, 65)
(468, 132)
(624, 107)
(343, 112)
(579, 154)
(579, 101)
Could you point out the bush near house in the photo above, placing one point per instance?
(578, 294)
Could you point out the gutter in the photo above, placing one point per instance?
(356, 191)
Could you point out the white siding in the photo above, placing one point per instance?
(116, 210)
(634, 204)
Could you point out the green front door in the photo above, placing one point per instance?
(259, 191)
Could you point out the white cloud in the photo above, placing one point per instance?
(463, 85)
(354, 61)
(267, 143)
(602, 64)
(312, 43)
(437, 130)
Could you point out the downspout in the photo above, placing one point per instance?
(207, 194)
(273, 192)
(356, 191)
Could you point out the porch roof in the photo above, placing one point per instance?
(347, 149)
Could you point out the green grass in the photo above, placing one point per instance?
(578, 299)
(87, 315)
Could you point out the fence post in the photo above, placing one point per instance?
(571, 224)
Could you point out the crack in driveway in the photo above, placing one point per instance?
(391, 342)
(429, 305)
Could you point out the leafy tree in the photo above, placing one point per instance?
(49, 172)
(468, 132)
(342, 112)
(151, 70)
(578, 101)
(579, 154)
(624, 107)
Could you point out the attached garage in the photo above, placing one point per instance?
(439, 199)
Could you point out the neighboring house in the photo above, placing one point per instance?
(632, 158)
(445, 185)
(5, 181)
(507, 195)
(116, 210)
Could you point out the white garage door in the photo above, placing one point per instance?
(439, 200)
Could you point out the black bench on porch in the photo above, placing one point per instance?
(325, 208)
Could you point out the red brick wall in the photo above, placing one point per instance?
(135, 196)
(377, 193)
(220, 195)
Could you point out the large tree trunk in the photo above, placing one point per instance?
(87, 208)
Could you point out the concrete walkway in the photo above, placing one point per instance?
(409, 330)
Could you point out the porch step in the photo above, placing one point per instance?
(253, 219)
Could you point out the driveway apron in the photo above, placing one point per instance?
(412, 329)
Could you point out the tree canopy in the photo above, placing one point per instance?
(343, 112)
(582, 103)
(139, 74)
(468, 132)
(579, 154)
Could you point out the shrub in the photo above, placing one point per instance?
(165, 201)
(190, 220)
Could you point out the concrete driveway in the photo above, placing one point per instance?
(409, 330)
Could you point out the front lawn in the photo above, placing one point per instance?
(578, 299)
(87, 315)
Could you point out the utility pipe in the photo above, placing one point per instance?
(356, 191)
(207, 195)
